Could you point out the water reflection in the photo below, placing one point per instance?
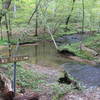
(43, 54)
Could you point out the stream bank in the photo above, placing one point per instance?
(87, 52)
(45, 54)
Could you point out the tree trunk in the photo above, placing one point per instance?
(14, 10)
(68, 18)
(6, 4)
(36, 23)
(8, 34)
(6, 91)
(1, 30)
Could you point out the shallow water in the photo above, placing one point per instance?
(88, 75)
(44, 53)
(68, 39)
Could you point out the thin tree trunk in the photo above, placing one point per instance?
(37, 5)
(82, 26)
(14, 9)
(1, 23)
(1, 30)
(36, 22)
(8, 35)
(6, 4)
(10, 30)
(68, 18)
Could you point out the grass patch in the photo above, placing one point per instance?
(3, 42)
(93, 42)
(26, 78)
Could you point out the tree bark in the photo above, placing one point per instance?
(6, 91)
(6, 4)
(68, 18)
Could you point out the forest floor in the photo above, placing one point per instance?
(53, 75)
(45, 81)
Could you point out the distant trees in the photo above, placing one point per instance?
(5, 7)
(61, 15)
(3, 13)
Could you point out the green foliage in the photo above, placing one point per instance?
(3, 42)
(27, 78)
(56, 11)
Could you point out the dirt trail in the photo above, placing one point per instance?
(51, 73)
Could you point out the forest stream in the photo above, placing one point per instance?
(45, 54)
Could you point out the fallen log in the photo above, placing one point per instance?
(93, 52)
(66, 52)
(82, 60)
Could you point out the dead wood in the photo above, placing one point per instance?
(82, 60)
